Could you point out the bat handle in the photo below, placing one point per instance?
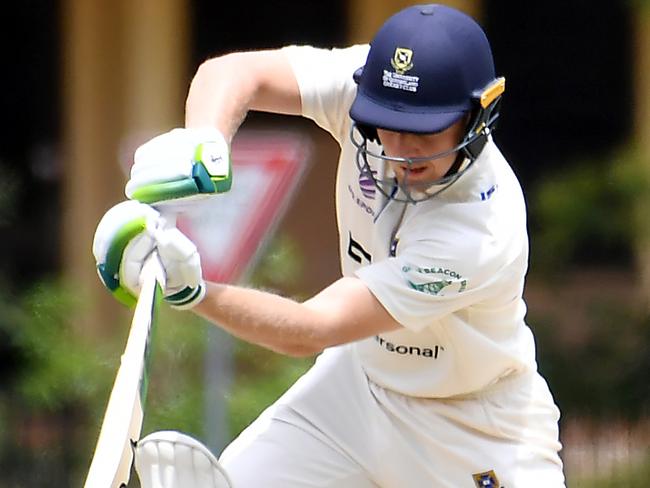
(168, 218)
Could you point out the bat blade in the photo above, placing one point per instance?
(122, 424)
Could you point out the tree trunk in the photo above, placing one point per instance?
(125, 77)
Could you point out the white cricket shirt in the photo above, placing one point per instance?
(455, 278)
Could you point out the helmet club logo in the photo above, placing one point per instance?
(401, 62)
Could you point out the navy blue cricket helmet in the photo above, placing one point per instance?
(428, 67)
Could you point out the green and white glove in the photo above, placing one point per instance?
(125, 237)
(180, 166)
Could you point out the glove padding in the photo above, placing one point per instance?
(180, 166)
(169, 459)
(126, 236)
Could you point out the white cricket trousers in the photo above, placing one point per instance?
(335, 429)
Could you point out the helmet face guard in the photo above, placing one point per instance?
(479, 127)
(428, 67)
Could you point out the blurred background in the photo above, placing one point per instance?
(85, 81)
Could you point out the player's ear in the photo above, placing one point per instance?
(467, 120)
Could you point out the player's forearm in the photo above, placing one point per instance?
(345, 311)
(218, 98)
(224, 89)
(269, 320)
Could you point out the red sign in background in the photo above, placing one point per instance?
(230, 229)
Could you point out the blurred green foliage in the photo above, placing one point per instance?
(280, 267)
(59, 369)
(262, 376)
(175, 393)
(606, 374)
(56, 385)
(640, 3)
(635, 476)
(592, 212)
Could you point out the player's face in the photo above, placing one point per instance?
(408, 145)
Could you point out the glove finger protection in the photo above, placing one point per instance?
(180, 166)
(120, 246)
(126, 236)
(185, 285)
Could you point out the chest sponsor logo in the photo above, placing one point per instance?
(487, 480)
(432, 352)
(359, 202)
(367, 183)
(357, 252)
(487, 194)
(434, 280)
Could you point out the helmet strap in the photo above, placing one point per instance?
(368, 132)
(458, 162)
(483, 124)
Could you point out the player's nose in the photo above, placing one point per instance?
(411, 146)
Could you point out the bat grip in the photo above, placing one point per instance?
(153, 264)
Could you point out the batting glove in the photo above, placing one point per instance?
(180, 166)
(126, 236)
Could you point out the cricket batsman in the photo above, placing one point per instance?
(426, 373)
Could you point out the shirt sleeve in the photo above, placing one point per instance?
(327, 88)
(425, 283)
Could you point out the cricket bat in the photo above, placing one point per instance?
(122, 424)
